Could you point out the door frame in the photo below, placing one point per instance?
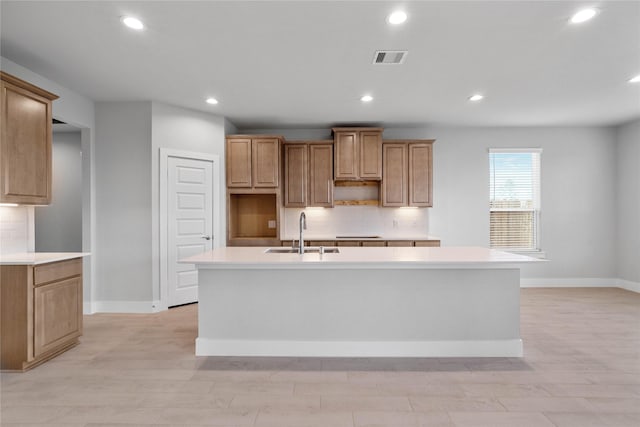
(165, 153)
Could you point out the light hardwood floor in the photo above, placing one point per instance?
(581, 368)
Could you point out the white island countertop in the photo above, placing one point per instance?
(35, 258)
(360, 257)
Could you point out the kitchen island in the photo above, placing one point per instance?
(360, 302)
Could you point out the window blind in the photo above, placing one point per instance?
(514, 199)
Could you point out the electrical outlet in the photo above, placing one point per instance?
(395, 223)
(271, 224)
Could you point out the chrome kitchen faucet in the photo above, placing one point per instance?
(303, 226)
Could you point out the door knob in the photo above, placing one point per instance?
(206, 237)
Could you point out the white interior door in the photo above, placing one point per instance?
(189, 224)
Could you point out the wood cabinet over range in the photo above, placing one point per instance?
(358, 153)
(40, 312)
(25, 142)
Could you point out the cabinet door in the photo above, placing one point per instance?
(25, 146)
(238, 162)
(295, 176)
(346, 155)
(394, 184)
(266, 162)
(371, 155)
(57, 314)
(321, 175)
(420, 175)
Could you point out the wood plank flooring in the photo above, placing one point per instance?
(581, 368)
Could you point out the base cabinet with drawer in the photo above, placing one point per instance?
(40, 312)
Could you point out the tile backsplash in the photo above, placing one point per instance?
(357, 221)
(16, 229)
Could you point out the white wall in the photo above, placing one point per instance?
(123, 203)
(628, 208)
(229, 128)
(578, 182)
(186, 130)
(58, 226)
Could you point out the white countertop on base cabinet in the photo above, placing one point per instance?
(35, 258)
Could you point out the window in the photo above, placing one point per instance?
(514, 199)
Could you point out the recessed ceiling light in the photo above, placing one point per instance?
(397, 17)
(132, 22)
(366, 98)
(476, 97)
(635, 79)
(583, 15)
(212, 101)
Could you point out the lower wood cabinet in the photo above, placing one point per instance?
(40, 312)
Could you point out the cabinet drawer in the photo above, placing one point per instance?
(57, 270)
(400, 243)
(373, 243)
(348, 243)
(322, 243)
(428, 243)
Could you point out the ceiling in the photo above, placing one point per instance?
(307, 63)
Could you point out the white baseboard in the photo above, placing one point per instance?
(126, 306)
(629, 285)
(488, 348)
(87, 307)
(580, 283)
(573, 282)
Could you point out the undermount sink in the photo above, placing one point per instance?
(308, 249)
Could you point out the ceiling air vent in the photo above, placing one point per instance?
(390, 56)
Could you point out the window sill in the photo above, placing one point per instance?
(532, 254)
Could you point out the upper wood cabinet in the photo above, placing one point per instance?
(321, 175)
(25, 142)
(308, 174)
(394, 183)
(265, 162)
(238, 162)
(295, 175)
(420, 174)
(253, 161)
(407, 169)
(358, 153)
